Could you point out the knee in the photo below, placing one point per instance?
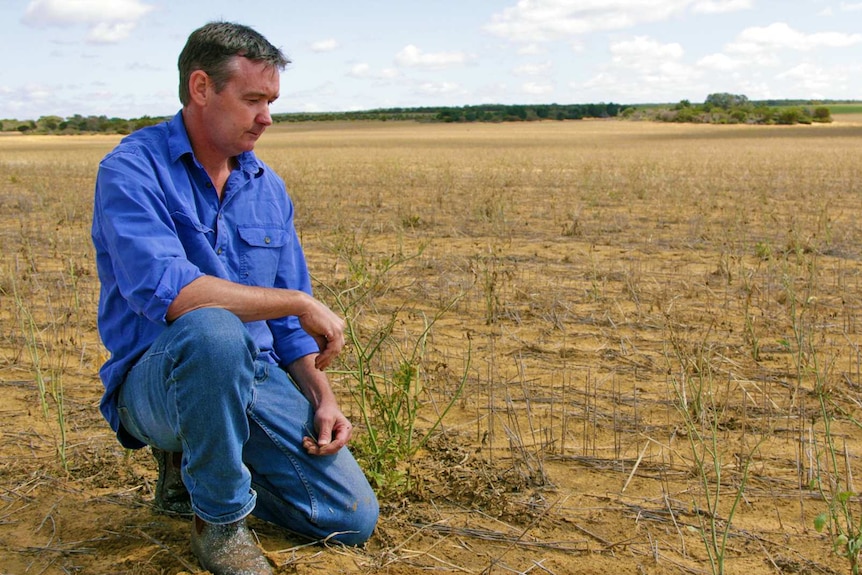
(359, 523)
(216, 333)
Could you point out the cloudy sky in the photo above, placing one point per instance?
(118, 57)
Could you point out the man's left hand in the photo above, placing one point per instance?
(333, 432)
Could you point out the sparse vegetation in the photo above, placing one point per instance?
(719, 108)
(662, 324)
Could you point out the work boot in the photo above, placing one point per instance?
(227, 549)
(171, 493)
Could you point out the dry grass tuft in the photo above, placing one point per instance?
(602, 264)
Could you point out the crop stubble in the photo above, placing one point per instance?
(603, 263)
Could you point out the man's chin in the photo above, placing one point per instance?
(251, 139)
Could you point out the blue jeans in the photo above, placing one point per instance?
(239, 422)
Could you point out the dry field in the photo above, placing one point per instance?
(649, 336)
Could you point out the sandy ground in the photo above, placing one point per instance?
(653, 315)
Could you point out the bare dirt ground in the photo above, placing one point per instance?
(659, 326)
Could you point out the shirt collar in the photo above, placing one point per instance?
(180, 145)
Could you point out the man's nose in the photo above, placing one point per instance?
(264, 118)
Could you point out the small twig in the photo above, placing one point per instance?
(518, 539)
(164, 547)
(635, 467)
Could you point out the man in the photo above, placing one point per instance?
(217, 347)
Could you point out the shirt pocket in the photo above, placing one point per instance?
(260, 249)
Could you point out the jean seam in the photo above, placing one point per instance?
(294, 462)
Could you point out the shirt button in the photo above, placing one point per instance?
(218, 251)
(266, 240)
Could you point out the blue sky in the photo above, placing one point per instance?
(118, 57)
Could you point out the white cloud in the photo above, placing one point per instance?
(644, 69)
(531, 50)
(780, 36)
(535, 89)
(108, 21)
(361, 70)
(546, 20)
(533, 69)
(413, 57)
(643, 51)
(649, 86)
(577, 46)
(32, 92)
(66, 12)
(721, 6)
(29, 101)
(720, 62)
(851, 7)
(755, 89)
(812, 79)
(110, 33)
(438, 88)
(327, 45)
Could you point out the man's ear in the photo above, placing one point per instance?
(199, 82)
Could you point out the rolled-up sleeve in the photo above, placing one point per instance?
(149, 261)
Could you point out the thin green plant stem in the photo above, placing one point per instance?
(33, 343)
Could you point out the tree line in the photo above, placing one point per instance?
(726, 108)
(478, 113)
(718, 108)
(78, 124)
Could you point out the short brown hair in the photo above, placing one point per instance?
(212, 47)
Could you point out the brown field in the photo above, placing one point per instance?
(655, 330)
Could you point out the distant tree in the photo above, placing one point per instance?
(739, 115)
(822, 114)
(763, 114)
(144, 121)
(49, 123)
(726, 101)
(516, 112)
(790, 115)
(687, 114)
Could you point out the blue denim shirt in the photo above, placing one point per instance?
(158, 224)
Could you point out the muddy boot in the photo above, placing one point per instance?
(171, 494)
(227, 549)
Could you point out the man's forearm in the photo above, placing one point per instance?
(249, 303)
(311, 381)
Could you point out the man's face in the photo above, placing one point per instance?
(239, 114)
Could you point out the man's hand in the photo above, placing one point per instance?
(326, 328)
(333, 431)
(252, 303)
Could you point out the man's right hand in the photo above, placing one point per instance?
(251, 303)
(326, 328)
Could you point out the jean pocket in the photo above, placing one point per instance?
(261, 371)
